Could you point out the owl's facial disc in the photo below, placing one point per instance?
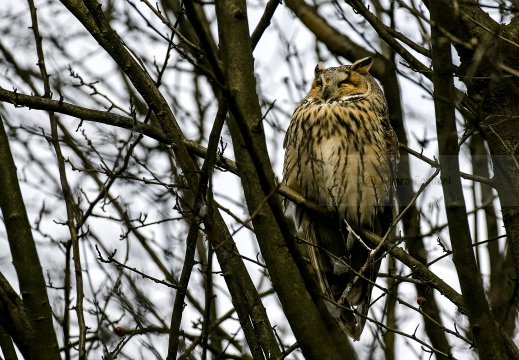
(340, 85)
(337, 83)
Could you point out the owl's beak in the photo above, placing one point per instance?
(328, 92)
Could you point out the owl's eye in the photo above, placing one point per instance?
(343, 82)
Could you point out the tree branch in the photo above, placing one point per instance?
(41, 341)
(488, 340)
(270, 226)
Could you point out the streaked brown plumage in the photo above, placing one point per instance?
(341, 152)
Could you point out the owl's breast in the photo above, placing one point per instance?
(338, 157)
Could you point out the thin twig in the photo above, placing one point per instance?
(111, 259)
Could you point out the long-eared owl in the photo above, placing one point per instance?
(341, 152)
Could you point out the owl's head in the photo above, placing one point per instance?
(343, 83)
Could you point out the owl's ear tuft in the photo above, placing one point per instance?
(320, 67)
(362, 66)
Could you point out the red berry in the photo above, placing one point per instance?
(118, 330)
(421, 300)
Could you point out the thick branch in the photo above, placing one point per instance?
(272, 231)
(14, 322)
(25, 260)
(488, 340)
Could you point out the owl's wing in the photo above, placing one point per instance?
(391, 144)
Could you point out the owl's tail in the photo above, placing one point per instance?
(336, 257)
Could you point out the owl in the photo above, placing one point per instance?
(341, 152)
